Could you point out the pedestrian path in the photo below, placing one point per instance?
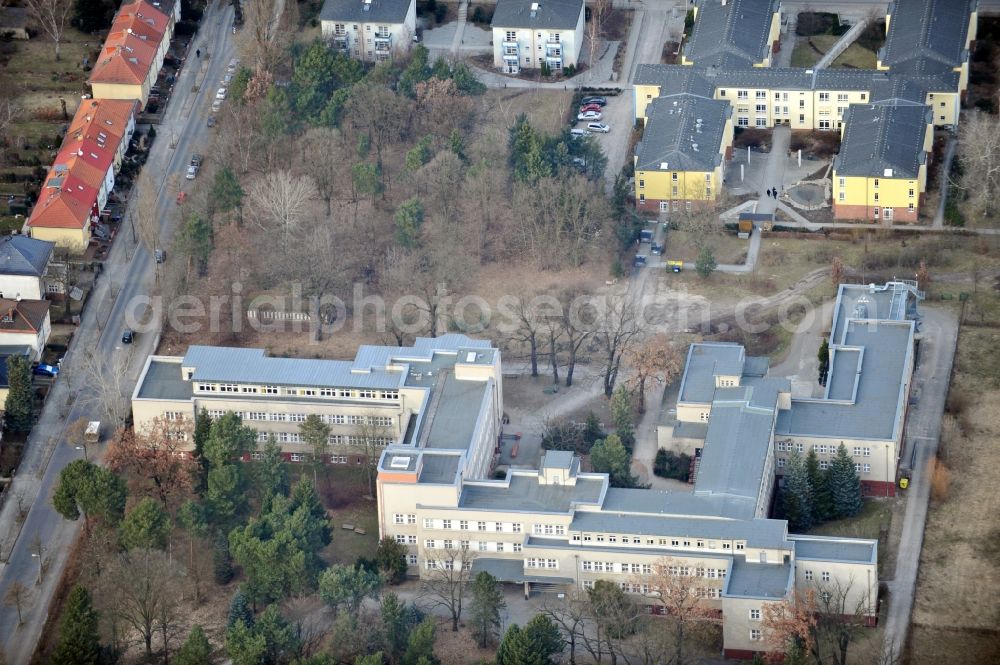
(463, 13)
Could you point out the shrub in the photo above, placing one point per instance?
(672, 465)
(940, 479)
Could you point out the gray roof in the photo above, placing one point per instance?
(883, 141)
(835, 549)
(738, 28)
(758, 580)
(439, 468)
(659, 502)
(675, 79)
(927, 29)
(22, 255)
(897, 89)
(254, 366)
(688, 430)
(548, 14)
(535, 542)
(887, 346)
(889, 302)
(163, 380)
(702, 80)
(378, 11)
(683, 133)
(455, 414)
(558, 459)
(704, 362)
(757, 532)
(525, 493)
(736, 446)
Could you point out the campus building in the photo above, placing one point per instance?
(734, 33)
(527, 34)
(386, 395)
(924, 64)
(369, 30)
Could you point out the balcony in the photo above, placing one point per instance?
(383, 37)
(341, 43)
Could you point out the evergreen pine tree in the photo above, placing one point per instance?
(844, 484)
(78, 643)
(239, 611)
(487, 601)
(822, 505)
(621, 414)
(19, 407)
(222, 562)
(797, 497)
(823, 355)
(196, 650)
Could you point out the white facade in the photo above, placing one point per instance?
(34, 340)
(515, 48)
(24, 287)
(374, 40)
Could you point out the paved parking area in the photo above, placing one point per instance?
(618, 116)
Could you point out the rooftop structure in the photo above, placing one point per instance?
(365, 11)
(884, 140)
(540, 14)
(684, 133)
(732, 33)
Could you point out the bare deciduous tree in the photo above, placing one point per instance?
(674, 590)
(322, 153)
(576, 329)
(52, 17)
(445, 582)
(569, 614)
(617, 331)
(281, 202)
(370, 437)
(107, 380)
(16, 597)
(595, 29)
(979, 155)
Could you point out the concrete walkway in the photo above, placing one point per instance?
(939, 330)
(943, 181)
(463, 13)
(752, 251)
(774, 171)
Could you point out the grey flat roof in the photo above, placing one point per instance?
(883, 140)
(456, 413)
(22, 255)
(704, 361)
(736, 446)
(254, 366)
(874, 414)
(453, 346)
(659, 502)
(835, 549)
(758, 580)
(438, 468)
(558, 459)
(845, 368)
(683, 133)
(548, 14)
(890, 302)
(388, 11)
(689, 430)
(525, 493)
(163, 381)
(738, 27)
(935, 29)
(512, 570)
(757, 532)
(597, 549)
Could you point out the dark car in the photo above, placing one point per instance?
(128, 336)
(160, 255)
(600, 101)
(46, 370)
(211, 121)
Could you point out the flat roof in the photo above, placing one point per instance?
(454, 413)
(758, 580)
(736, 446)
(163, 381)
(438, 469)
(704, 362)
(512, 570)
(661, 502)
(523, 492)
(757, 532)
(820, 548)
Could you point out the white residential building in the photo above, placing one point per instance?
(527, 34)
(370, 30)
(24, 263)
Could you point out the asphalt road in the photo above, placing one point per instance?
(129, 273)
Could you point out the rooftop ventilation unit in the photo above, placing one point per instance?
(399, 462)
(887, 173)
(470, 357)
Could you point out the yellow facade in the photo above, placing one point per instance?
(122, 91)
(75, 240)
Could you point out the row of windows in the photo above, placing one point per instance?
(467, 525)
(825, 464)
(824, 576)
(661, 542)
(532, 562)
(783, 96)
(346, 393)
(511, 36)
(477, 545)
(401, 518)
(334, 439)
(302, 457)
(433, 564)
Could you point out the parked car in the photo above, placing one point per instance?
(196, 159)
(232, 65)
(216, 105)
(226, 80)
(590, 107)
(160, 255)
(46, 370)
(220, 93)
(128, 336)
(598, 126)
(589, 115)
(656, 249)
(192, 171)
(600, 101)
(578, 133)
(211, 121)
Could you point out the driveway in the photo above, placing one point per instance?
(939, 331)
(801, 364)
(128, 273)
(618, 116)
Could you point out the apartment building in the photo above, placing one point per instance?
(681, 159)
(528, 34)
(734, 33)
(448, 388)
(369, 30)
(133, 51)
(881, 170)
(24, 266)
(924, 63)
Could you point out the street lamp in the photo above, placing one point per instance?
(38, 555)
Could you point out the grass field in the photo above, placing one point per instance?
(809, 50)
(344, 490)
(955, 614)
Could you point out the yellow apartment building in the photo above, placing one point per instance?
(681, 159)
(880, 173)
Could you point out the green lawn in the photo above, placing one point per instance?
(872, 522)
(347, 493)
(808, 51)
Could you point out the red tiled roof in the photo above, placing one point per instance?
(96, 116)
(131, 46)
(59, 208)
